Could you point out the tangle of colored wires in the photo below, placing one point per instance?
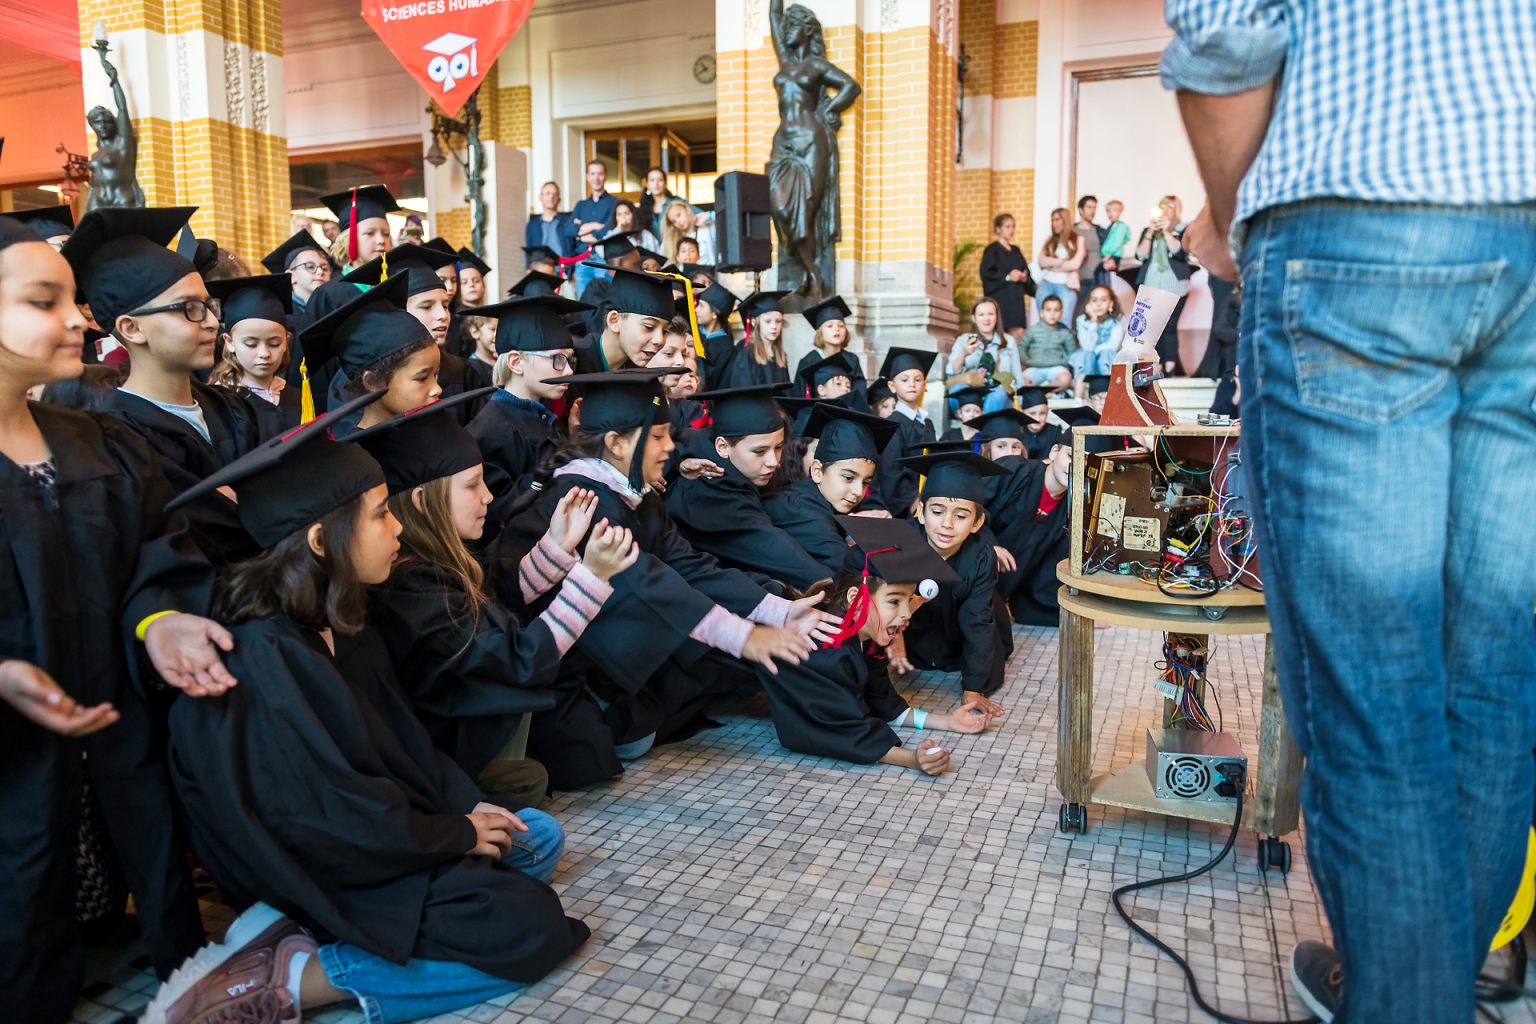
(1183, 666)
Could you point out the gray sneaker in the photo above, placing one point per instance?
(1318, 978)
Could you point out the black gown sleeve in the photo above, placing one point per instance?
(993, 274)
(726, 518)
(832, 705)
(981, 670)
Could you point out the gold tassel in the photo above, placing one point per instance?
(383, 267)
(693, 313)
(306, 397)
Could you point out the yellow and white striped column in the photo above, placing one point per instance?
(896, 149)
(1001, 38)
(204, 83)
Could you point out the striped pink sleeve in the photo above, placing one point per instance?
(542, 568)
(578, 602)
(772, 610)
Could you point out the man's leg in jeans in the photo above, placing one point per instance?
(1350, 361)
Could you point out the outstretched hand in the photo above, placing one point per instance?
(185, 651)
(809, 621)
(572, 518)
(692, 469)
(37, 697)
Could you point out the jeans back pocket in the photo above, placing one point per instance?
(1375, 341)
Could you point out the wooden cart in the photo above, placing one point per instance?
(1272, 806)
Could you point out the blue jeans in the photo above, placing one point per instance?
(388, 991)
(1067, 296)
(1388, 355)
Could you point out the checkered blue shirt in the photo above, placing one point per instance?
(1384, 100)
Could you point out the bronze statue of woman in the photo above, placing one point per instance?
(114, 165)
(802, 169)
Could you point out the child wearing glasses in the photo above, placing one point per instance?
(517, 429)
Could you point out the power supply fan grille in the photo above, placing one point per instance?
(1187, 777)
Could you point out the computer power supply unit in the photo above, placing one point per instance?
(1185, 764)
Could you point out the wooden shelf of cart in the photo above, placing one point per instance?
(1272, 806)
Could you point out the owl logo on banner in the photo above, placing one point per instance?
(457, 59)
(448, 46)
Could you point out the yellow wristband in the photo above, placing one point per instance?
(143, 625)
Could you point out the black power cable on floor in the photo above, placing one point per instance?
(1235, 774)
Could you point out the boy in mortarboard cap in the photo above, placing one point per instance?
(906, 372)
(966, 627)
(829, 379)
(833, 704)
(304, 259)
(629, 324)
(967, 404)
(843, 462)
(363, 213)
(255, 321)
(155, 303)
(541, 258)
(516, 430)
(882, 400)
(53, 224)
(472, 274)
(1044, 429)
(723, 514)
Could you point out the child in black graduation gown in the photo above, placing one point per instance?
(629, 322)
(473, 672)
(834, 704)
(759, 359)
(724, 515)
(516, 429)
(965, 628)
(829, 319)
(844, 460)
(905, 372)
(643, 660)
(315, 793)
(257, 340)
(1031, 519)
(85, 542)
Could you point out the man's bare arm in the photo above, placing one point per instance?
(1225, 133)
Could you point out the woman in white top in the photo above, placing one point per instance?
(679, 221)
(1060, 256)
(987, 357)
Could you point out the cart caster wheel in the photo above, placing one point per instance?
(1074, 818)
(1215, 612)
(1275, 852)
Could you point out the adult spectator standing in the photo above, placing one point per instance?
(593, 217)
(1005, 277)
(1060, 256)
(654, 200)
(549, 227)
(1165, 265)
(1092, 237)
(1387, 241)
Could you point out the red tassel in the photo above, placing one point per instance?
(564, 263)
(858, 609)
(352, 230)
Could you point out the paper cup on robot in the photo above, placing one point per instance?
(1149, 315)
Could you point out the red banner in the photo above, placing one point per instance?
(447, 45)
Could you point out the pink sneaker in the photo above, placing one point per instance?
(242, 980)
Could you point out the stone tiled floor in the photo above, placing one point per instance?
(727, 880)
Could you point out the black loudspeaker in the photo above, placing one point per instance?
(743, 223)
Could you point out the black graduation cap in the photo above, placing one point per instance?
(550, 281)
(1098, 383)
(534, 324)
(268, 297)
(934, 447)
(799, 411)
(614, 246)
(959, 475)
(1077, 416)
(740, 411)
(364, 330)
(540, 254)
(968, 396)
(879, 391)
(896, 552)
(14, 232)
(843, 433)
(442, 245)
(828, 309)
(758, 303)
(373, 271)
(693, 270)
(467, 258)
(720, 300)
(47, 221)
(422, 445)
(822, 370)
(294, 479)
(647, 255)
(1028, 398)
(900, 360)
(120, 257)
(634, 291)
(281, 258)
(621, 400)
(1004, 423)
(371, 200)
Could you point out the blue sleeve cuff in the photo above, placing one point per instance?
(1230, 60)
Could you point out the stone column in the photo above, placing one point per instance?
(897, 152)
(204, 82)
